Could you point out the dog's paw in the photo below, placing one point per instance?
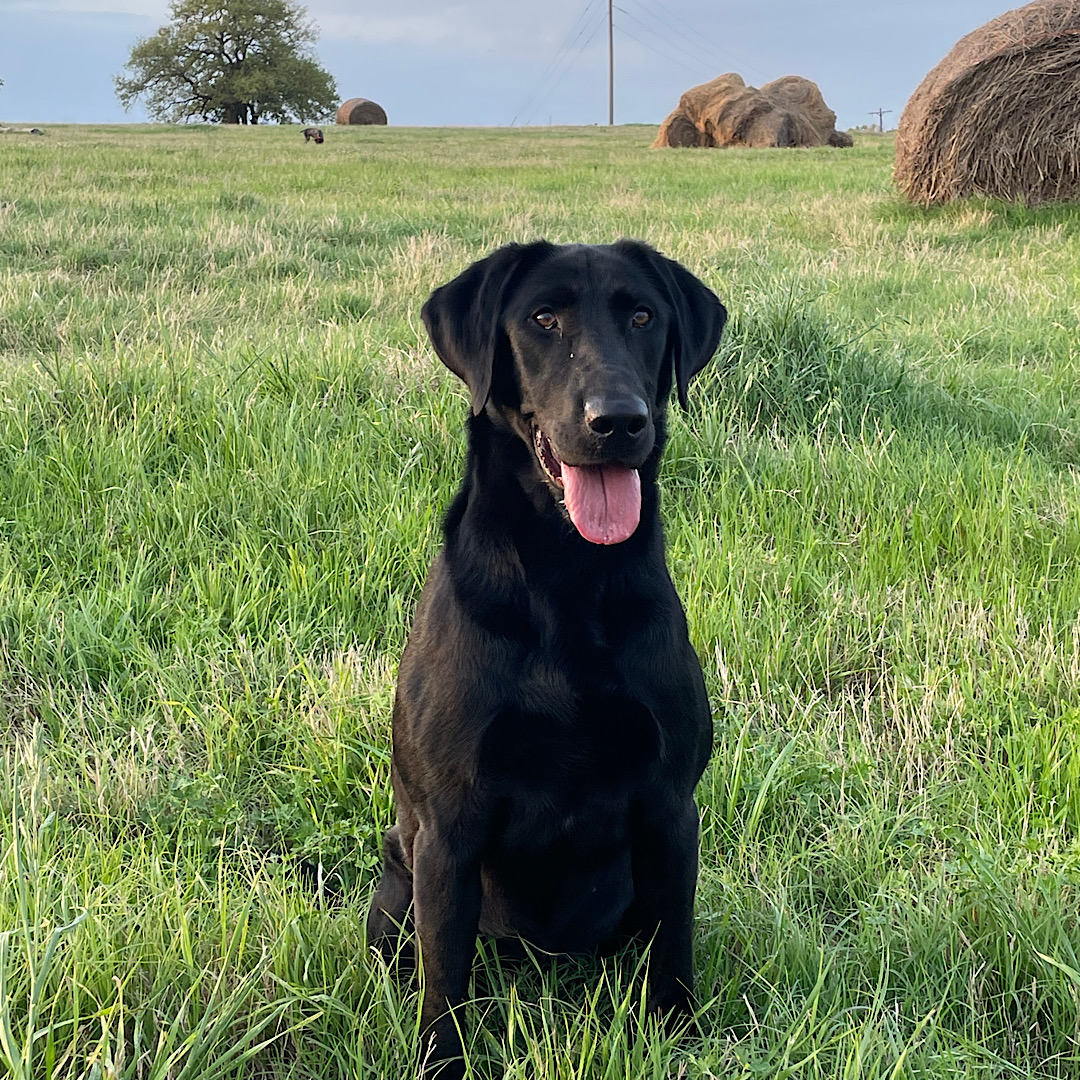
(674, 1011)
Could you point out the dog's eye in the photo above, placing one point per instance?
(546, 319)
(641, 317)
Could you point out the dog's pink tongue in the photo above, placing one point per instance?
(604, 501)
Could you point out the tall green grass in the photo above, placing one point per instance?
(225, 446)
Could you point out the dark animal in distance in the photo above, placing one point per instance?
(551, 719)
(313, 133)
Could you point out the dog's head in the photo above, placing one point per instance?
(576, 347)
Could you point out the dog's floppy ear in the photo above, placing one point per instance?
(698, 317)
(464, 316)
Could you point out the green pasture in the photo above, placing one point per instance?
(225, 446)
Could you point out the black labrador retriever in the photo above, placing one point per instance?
(551, 719)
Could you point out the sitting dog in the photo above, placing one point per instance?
(551, 719)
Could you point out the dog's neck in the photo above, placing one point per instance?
(504, 505)
(513, 556)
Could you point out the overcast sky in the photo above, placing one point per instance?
(497, 62)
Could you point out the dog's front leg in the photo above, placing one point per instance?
(446, 910)
(665, 866)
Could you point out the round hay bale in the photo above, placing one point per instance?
(997, 116)
(697, 101)
(359, 110)
(794, 94)
(679, 130)
(726, 112)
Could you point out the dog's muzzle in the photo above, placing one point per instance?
(603, 501)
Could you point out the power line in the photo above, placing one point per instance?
(571, 62)
(568, 43)
(695, 60)
(701, 53)
(698, 37)
(694, 52)
(696, 72)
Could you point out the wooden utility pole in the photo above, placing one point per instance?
(879, 113)
(610, 65)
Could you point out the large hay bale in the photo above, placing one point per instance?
(726, 112)
(698, 100)
(998, 116)
(679, 130)
(359, 110)
(794, 94)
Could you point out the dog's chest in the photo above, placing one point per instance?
(566, 757)
(554, 726)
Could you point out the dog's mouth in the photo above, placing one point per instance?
(603, 501)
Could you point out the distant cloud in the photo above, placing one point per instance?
(150, 8)
(444, 26)
(468, 27)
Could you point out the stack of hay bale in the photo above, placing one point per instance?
(999, 115)
(726, 112)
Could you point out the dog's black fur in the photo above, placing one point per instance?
(551, 719)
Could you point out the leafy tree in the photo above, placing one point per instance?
(231, 61)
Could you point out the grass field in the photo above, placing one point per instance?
(224, 450)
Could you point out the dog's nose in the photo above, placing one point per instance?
(623, 414)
